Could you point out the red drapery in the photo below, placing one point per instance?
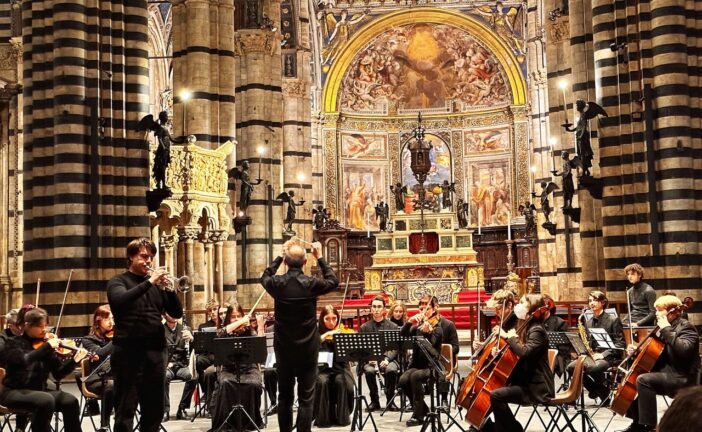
(431, 242)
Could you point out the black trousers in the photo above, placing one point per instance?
(270, 383)
(389, 372)
(412, 382)
(594, 379)
(140, 377)
(306, 376)
(504, 419)
(106, 390)
(202, 362)
(42, 405)
(644, 411)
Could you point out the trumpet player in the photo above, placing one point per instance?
(138, 361)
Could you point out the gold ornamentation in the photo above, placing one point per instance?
(457, 152)
(330, 160)
(253, 41)
(295, 88)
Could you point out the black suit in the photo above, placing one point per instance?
(413, 379)
(676, 368)
(531, 382)
(390, 371)
(296, 338)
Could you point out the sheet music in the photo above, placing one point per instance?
(601, 338)
(325, 357)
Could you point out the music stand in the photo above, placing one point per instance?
(392, 340)
(601, 338)
(433, 417)
(358, 347)
(238, 351)
(557, 340)
(203, 345)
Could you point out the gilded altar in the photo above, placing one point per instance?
(406, 275)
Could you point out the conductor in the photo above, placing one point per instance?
(296, 338)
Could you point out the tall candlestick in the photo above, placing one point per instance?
(565, 106)
(479, 220)
(509, 226)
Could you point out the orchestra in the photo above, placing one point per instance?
(510, 367)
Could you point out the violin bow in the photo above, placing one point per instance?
(36, 302)
(65, 295)
(346, 290)
(253, 308)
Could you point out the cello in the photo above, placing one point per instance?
(493, 372)
(647, 354)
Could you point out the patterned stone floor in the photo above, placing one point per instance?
(390, 422)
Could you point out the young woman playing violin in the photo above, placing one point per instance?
(333, 399)
(99, 341)
(28, 361)
(246, 392)
(532, 379)
(677, 366)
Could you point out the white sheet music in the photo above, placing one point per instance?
(325, 357)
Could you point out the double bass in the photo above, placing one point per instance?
(647, 354)
(491, 372)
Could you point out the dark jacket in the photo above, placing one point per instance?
(613, 326)
(5, 335)
(102, 347)
(450, 336)
(555, 324)
(372, 326)
(138, 306)
(681, 356)
(178, 352)
(29, 368)
(296, 338)
(532, 370)
(419, 361)
(642, 297)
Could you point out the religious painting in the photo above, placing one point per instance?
(440, 157)
(489, 191)
(364, 146)
(423, 66)
(364, 187)
(486, 140)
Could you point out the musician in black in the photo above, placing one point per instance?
(596, 366)
(100, 380)
(424, 323)
(398, 313)
(531, 381)
(388, 366)
(178, 338)
(450, 337)
(205, 360)
(553, 323)
(642, 296)
(676, 368)
(296, 338)
(139, 357)
(502, 301)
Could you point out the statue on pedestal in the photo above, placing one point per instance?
(528, 210)
(246, 185)
(163, 152)
(462, 213)
(399, 192)
(546, 189)
(382, 211)
(320, 217)
(446, 191)
(567, 174)
(289, 197)
(588, 111)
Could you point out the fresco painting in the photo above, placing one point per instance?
(364, 187)
(489, 192)
(364, 146)
(486, 140)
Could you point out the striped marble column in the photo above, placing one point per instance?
(84, 187)
(259, 124)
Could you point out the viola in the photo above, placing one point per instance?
(647, 354)
(66, 347)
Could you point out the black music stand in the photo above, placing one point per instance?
(358, 347)
(602, 339)
(203, 345)
(587, 424)
(238, 351)
(392, 340)
(433, 418)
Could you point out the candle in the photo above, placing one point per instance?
(509, 226)
(479, 220)
(260, 159)
(368, 233)
(563, 84)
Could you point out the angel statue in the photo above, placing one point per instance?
(462, 213)
(528, 210)
(320, 217)
(382, 211)
(546, 189)
(588, 111)
(246, 184)
(567, 173)
(446, 190)
(163, 151)
(289, 197)
(337, 33)
(399, 192)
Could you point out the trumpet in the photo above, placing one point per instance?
(182, 284)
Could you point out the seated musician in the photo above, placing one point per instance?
(502, 301)
(99, 342)
(270, 381)
(449, 336)
(553, 323)
(531, 382)
(425, 323)
(27, 370)
(603, 359)
(333, 397)
(676, 368)
(238, 384)
(641, 297)
(205, 360)
(398, 313)
(177, 340)
(388, 367)
(13, 329)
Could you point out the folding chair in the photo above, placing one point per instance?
(552, 355)
(450, 368)
(85, 394)
(570, 397)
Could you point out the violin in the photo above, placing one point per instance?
(341, 328)
(110, 334)
(647, 354)
(65, 348)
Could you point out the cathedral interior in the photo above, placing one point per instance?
(561, 142)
